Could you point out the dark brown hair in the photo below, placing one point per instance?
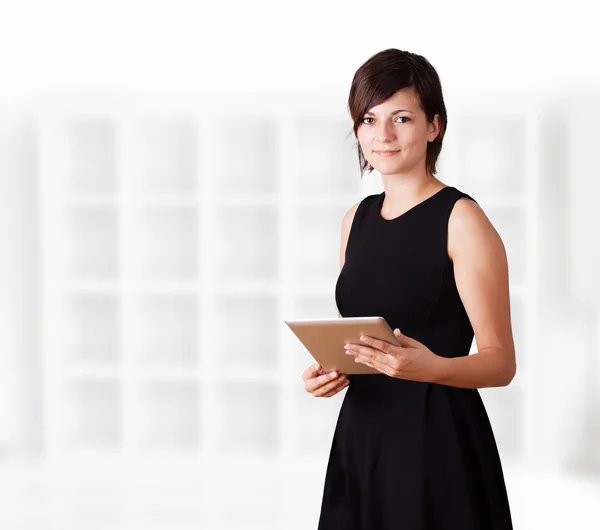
(380, 77)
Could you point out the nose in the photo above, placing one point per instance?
(385, 132)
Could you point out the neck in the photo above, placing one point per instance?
(402, 192)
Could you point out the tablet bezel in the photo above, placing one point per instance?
(325, 338)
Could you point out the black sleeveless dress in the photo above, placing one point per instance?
(409, 455)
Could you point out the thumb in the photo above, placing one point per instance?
(404, 341)
(316, 368)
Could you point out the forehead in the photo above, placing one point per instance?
(405, 98)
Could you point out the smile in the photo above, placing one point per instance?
(386, 153)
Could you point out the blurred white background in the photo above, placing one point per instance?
(173, 179)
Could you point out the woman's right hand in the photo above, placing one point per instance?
(321, 384)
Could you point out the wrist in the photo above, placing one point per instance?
(440, 369)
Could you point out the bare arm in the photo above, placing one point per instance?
(481, 273)
(346, 224)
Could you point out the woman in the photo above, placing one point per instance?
(413, 448)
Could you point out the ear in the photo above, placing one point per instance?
(434, 128)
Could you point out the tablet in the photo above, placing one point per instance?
(325, 339)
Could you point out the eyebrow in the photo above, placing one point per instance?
(393, 113)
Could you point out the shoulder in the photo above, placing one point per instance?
(469, 228)
(346, 224)
(349, 215)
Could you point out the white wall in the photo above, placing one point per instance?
(191, 47)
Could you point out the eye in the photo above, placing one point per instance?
(399, 117)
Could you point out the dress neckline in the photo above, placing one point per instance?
(382, 198)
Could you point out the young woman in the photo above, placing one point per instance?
(413, 448)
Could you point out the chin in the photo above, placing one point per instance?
(388, 168)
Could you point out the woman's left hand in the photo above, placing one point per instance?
(411, 360)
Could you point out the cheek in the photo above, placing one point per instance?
(364, 144)
(362, 138)
(415, 143)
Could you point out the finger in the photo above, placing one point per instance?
(337, 389)
(383, 367)
(405, 341)
(377, 344)
(324, 389)
(331, 387)
(369, 353)
(337, 386)
(312, 372)
(326, 379)
(319, 381)
(357, 349)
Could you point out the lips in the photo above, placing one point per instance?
(386, 153)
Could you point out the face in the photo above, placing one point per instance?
(396, 142)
